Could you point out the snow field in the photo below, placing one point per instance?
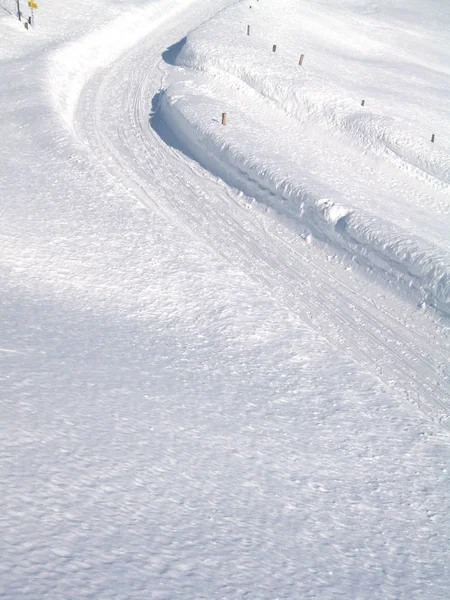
(172, 425)
(343, 171)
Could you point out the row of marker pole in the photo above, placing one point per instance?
(300, 62)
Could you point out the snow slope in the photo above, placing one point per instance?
(195, 401)
(365, 179)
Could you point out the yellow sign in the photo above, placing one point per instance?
(32, 4)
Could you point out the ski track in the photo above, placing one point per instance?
(174, 424)
(402, 356)
(112, 122)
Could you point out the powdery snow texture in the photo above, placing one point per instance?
(184, 411)
(365, 179)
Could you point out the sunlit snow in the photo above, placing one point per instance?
(224, 350)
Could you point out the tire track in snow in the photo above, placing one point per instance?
(112, 119)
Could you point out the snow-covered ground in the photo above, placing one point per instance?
(364, 178)
(203, 396)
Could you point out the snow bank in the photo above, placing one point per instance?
(296, 141)
(403, 92)
(375, 242)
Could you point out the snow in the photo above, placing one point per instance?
(203, 395)
(388, 185)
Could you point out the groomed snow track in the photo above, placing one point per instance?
(117, 120)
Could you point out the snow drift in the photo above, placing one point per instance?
(365, 180)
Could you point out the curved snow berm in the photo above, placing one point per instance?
(404, 84)
(373, 241)
(366, 180)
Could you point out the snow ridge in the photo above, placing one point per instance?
(371, 240)
(304, 99)
(364, 182)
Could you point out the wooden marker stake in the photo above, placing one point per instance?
(224, 118)
(300, 62)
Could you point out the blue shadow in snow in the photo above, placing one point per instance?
(159, 125)
(170, 55)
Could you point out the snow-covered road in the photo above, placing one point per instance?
(365, 321)
(197, 401)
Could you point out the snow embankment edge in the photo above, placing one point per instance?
(419, 268)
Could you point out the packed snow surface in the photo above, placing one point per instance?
(224, 350)
(367, 178)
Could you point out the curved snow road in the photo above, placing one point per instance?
(406, 349)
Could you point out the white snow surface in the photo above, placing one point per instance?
(366, 179)
(216, 383)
